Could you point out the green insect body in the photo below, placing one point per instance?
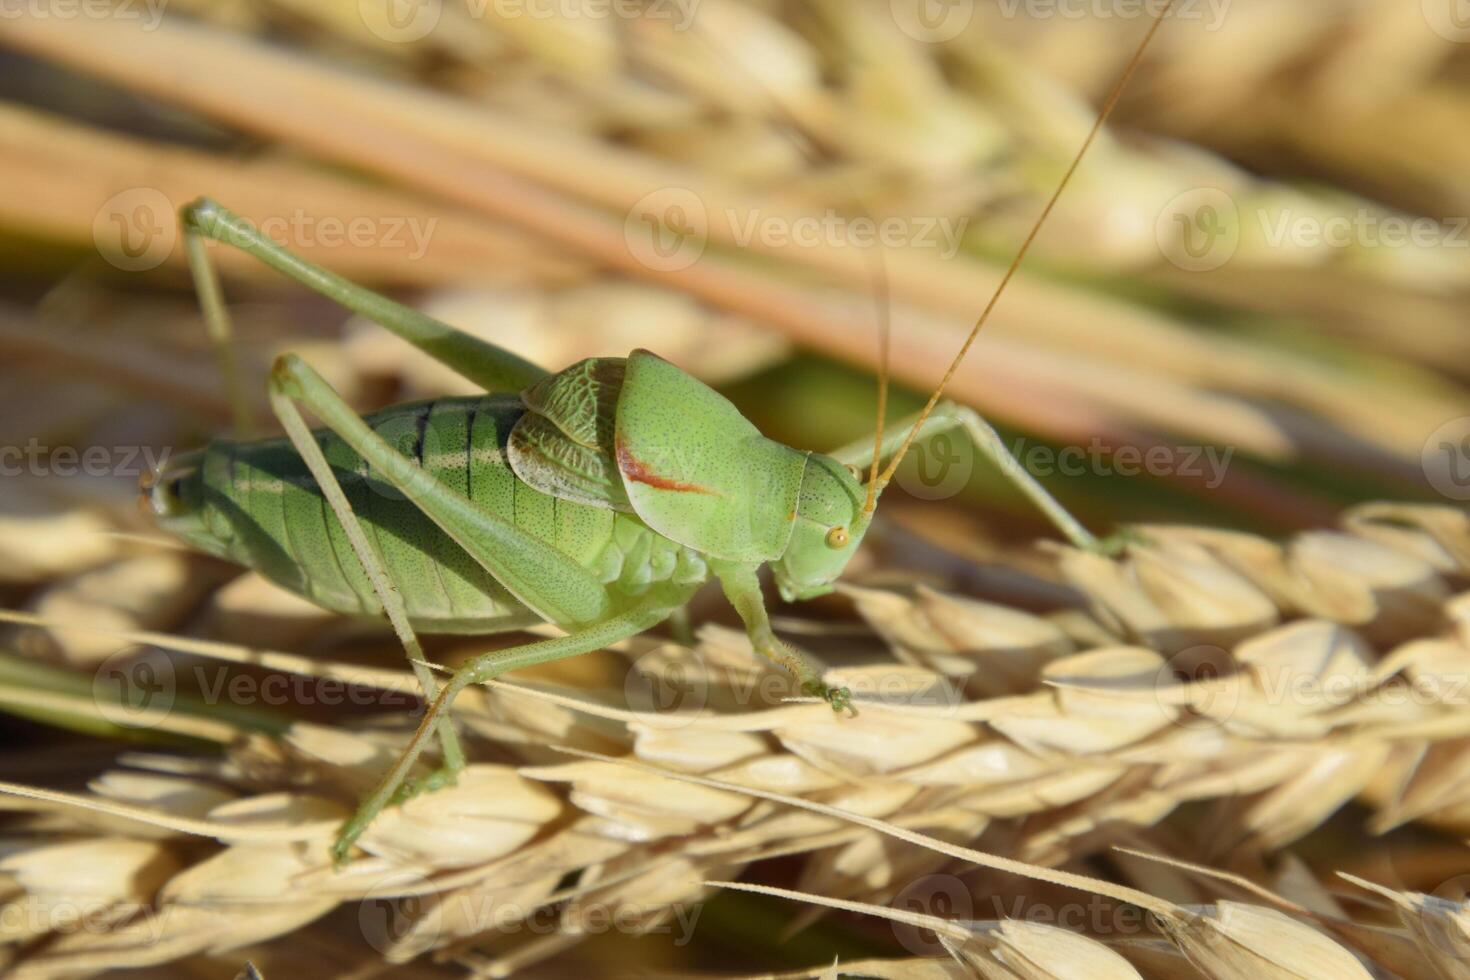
(598, 499)
(256, 504)
(632, 469)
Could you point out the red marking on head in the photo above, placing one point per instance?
(638, 471)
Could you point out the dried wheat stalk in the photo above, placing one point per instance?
(1107, 366)
(1278, 681)
(1102, 740)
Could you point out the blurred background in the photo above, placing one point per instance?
(1265, 256)
(1248, 311)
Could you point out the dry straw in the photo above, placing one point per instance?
(1067, 748)
(1266, 684)
(1105, 365)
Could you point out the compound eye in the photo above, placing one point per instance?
(837, 537)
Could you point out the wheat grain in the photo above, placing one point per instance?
(1099, 740)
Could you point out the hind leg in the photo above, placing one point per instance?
(491, 367)
(383, 587)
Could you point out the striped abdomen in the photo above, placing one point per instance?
(260, 498)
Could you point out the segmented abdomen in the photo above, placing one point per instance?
(263, 499)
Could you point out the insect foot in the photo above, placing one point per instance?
(840, 698)
(441, 778)
(340, 848)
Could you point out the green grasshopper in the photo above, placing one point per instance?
(597, 499)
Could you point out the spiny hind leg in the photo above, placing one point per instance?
(558, 588)
(552, 583)
(383, 587)
(395, 787)
(948, 416)
(491, 367)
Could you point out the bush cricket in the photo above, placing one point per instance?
(597, 499)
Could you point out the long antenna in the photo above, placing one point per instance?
(881, 480)
(882, 296)
(885, 333)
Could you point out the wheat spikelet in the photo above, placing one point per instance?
(1211, 696)
(1103, 742)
